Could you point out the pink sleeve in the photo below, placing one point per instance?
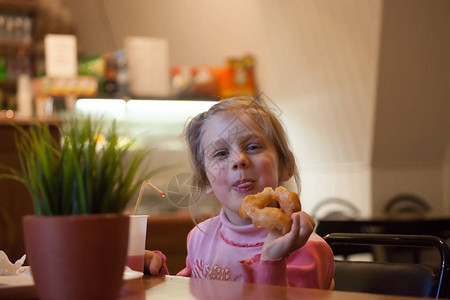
(163, 270)
(266, 272)
(186, 272)
(311, 266)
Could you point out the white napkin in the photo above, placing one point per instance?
(131, 274)
(7, 268)
(16, 274)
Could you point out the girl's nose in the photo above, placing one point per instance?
(240, 161)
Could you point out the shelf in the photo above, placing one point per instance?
(15, 44)
(19, 6)
(9, 85)
(17, 40)
(29, 121)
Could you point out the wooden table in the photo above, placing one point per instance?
(173, 287)
(179, 288)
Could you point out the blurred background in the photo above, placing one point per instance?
(363, 87)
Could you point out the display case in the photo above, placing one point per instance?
(157, 125)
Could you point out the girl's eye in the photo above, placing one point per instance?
(253, 147)
(220, 153)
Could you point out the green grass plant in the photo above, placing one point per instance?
(88, 170)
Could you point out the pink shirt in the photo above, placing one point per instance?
(217, 249)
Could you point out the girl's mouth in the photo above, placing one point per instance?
(243, 186)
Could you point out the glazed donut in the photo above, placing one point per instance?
(255, 207)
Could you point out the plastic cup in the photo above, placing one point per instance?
(136, 242)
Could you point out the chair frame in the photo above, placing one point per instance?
(401, 240)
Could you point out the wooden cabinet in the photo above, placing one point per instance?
(15, 201)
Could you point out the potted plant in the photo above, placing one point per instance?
(80, 183)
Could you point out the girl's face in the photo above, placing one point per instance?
(239, 160)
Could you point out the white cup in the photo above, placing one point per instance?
(136, 242)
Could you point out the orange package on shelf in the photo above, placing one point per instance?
(237, 78)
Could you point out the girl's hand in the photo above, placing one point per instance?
(277, 246)
(152, 263)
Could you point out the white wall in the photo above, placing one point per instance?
(412, 124)
(423, 180)
(446, 179)
(362, 85)
(316, 60)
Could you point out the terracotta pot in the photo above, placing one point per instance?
(77, 256)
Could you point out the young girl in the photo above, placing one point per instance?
(238, 147)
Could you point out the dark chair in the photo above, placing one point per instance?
(404, 206)
(392, 278)
(407, 205)
(335, 209)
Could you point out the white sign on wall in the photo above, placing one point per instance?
(148, 66)
(60, 55)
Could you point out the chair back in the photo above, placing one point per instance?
(404, 205)
(392, 278)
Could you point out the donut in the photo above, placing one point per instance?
(255, 207)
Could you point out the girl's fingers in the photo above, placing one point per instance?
(152, 262)
(277, 246)
(295, 230)
(155, 264)
(147, 259)
(307, 224)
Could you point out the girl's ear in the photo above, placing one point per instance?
(288, 170)
(208, 189)
(287, 174)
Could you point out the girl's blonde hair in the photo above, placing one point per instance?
(262, 116)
